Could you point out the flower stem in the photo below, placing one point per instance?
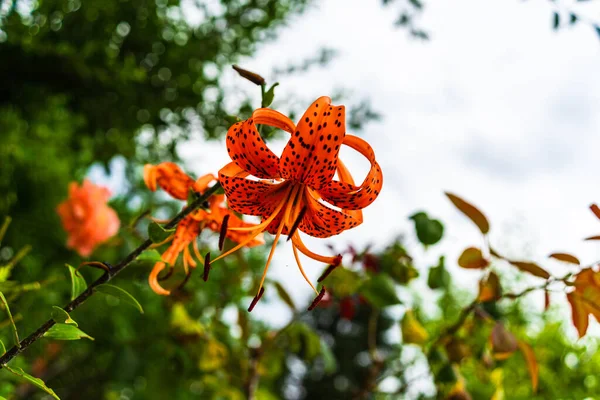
(107, 276)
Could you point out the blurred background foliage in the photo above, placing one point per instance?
(85, 82)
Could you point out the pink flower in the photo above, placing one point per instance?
(86, 217)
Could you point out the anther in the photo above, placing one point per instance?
(297, 222)
(223, 231)
(326, 273)
(206, 266)
(256, 299)
(317, 299)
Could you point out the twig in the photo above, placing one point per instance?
(107, 276)
(377, 363)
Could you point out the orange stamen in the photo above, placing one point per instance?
(258, 230)
(153, 279)
(336, 260)
(290, 202)
(297, 257)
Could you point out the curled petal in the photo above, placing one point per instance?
(311, 154)
(170, 178)
(153, 279)
(348, 196)
(247, 148)
(322, 221)
(248, 196)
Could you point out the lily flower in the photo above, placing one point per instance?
(169, 177)
(297, 192)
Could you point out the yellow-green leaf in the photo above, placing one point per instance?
(2, 348)
(565, 257)
(33, 380)
(120, 294)
(60, 316)
(472, 258)
(470, 211)
(412, 330)
(12, 321)
(66, 332)
(78, 283)
(150, 255)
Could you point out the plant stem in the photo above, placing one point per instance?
(107, 276)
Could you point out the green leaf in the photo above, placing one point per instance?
(285, 296)
(438, 277)
(78, 283)
(150, 255)
(60, 316)
(12, 321)
(66, 332)
(269, 95)
(429, 231)
(343, 282)
(2, 347)
(380, 291)
(329, 361)
(34, 381)
(157, 233)
(120, 294)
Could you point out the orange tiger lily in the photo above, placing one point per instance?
(175, 182)
(291, 192)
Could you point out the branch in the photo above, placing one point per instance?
(107, 276)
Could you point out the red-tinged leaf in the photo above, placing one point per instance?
(472, 258)
(489, 288)
(532, 364)
(579, 316)
(503, 342)
(595, 209)
(597, 237)
(470, 211)
(531, 268)
(565, 257)
(585, 299)
(546, 300)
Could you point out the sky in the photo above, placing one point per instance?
(497, 108)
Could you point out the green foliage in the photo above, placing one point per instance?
(120, 294)
(429, 231)
(66, 331)
(60, 316)
(30, 379)
(78, 283)
(157, 233)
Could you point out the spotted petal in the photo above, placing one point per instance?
(348, 196)
(311, 154)
(247, 196)
(247, 148)
(322, 221)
